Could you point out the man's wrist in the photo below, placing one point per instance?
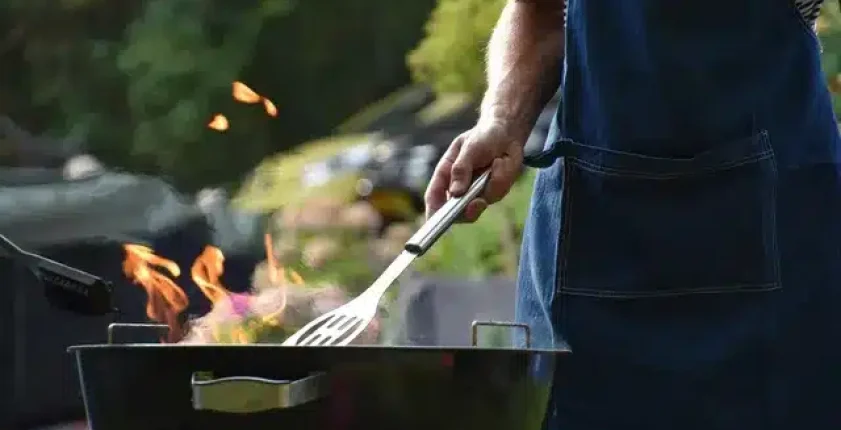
(499, 111)
(516, 121)
(513, 132)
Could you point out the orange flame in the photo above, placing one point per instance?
(271, 109)
(206, 271)
(276, 277)
(243, 93)
(219, 123)
(165, 299)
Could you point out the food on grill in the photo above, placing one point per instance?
(268, 315)
(277, 304)
(319, 250)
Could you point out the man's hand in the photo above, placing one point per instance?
(523, 73)
(489, 144)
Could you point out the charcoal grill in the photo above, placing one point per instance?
(148, 386)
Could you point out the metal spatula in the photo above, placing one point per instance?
(341, 326)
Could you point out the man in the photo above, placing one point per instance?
(685, 233)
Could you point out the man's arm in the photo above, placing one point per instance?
(523, 62)
(523, 73)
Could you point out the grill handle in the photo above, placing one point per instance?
(249, 394)
(474, 330)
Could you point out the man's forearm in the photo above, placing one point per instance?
(523, 61)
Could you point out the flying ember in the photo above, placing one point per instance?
(243, 94)
(219, 123)
(271, 109)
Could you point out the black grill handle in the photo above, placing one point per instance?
(65, 287)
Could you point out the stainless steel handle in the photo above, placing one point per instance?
(442, 219)
(248, 394)
(474, 335)
(115, 328)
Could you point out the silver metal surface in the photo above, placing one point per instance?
(443, 218)
(342, 325)
(123, 327)
(474, 336)
(248, 394)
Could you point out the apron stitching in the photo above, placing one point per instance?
(766, 154)
(563, 249)
(595, 168)
(566, 213)
(700, 290)
(769, 380)
(772, 210)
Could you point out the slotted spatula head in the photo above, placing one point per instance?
(341, 326)
(337, 328)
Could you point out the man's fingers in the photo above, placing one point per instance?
(437, 190)
(435, 198)
(498, 184)
(461, 174)
(469, 154)
(473, 210)
(504, 172)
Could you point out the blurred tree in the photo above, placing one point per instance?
(139, 80)
(451, 56)
(138, 94)
(180, 58)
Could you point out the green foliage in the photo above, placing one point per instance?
(174, 68)
(138, 81)
(451, 57)
(829, 29)
(277, 181)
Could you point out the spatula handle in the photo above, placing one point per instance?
(442, 219)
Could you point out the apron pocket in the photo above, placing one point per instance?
(642, 226)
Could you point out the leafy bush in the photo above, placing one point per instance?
(451, 56)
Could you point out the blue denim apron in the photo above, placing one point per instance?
(684, 238)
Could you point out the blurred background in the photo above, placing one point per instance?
(183, 123)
